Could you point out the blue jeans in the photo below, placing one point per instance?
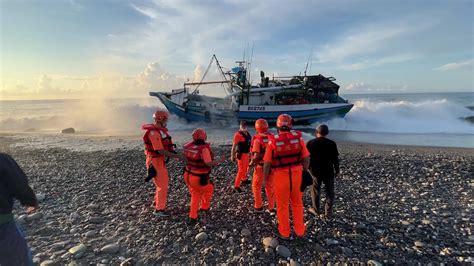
(13, 247)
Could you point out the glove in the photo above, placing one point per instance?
(151, 173)
(306, 180)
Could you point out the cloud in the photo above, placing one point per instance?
(189, 32)
(456, 65)
(369, 63)
(154, 77)
(44, 83)
(76, 6)
(366, 41)
(363, 87)
(45, 86)
(12, 90)
(149, 12)
(198, 73)
(373, 44)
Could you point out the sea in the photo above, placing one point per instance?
(421, 119)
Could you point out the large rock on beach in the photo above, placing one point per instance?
(68, 130)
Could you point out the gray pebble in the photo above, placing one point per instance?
(270, 242)
(110, 248)
(283, 251)
(201, 236)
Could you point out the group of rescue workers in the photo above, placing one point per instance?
(279, 162)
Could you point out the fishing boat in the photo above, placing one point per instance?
(307, 98)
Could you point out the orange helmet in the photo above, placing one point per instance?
(261, 125)
(284, 120)
(199, 134)
(160, 116)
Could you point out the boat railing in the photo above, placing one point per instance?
(206, 82)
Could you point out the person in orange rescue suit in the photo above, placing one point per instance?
(199, 162)
(287, 157)
(258, 147)
(158, 145)
(240, 152)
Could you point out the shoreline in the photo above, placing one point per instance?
(133, 141)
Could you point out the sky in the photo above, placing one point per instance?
(78, 48)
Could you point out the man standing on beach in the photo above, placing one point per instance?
(240, 152)
(199, 162)
(158, 145)
(13, 185)
(258, 147)
(324, 167)
(287, 157)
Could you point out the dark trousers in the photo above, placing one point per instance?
(316, 194)
(13, 247)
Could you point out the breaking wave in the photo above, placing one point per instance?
(430, 116)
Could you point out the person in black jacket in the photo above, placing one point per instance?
(324, 167)
(13, 185)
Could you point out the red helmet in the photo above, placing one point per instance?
(261, 125)
(284, 120)
(199, 134)
(160, 116)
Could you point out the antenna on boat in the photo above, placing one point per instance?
(307, 63)
(245, 50)
(250, 64)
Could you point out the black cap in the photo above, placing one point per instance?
(243, 122)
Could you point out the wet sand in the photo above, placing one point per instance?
(394, 204)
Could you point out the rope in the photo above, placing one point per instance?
(203, 76)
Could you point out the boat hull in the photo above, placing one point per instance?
(302, 114)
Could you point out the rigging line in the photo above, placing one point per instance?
(203, 76)
(222, 72)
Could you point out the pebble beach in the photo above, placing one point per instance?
(394, 205)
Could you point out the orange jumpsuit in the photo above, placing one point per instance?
(287, 182)
(161, 178)
(200, 195)
(258, 147)
(242, 163)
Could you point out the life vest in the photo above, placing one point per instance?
(263, 139)
(287, 149)
(195, 162)
(165, 139)
(244, 146)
